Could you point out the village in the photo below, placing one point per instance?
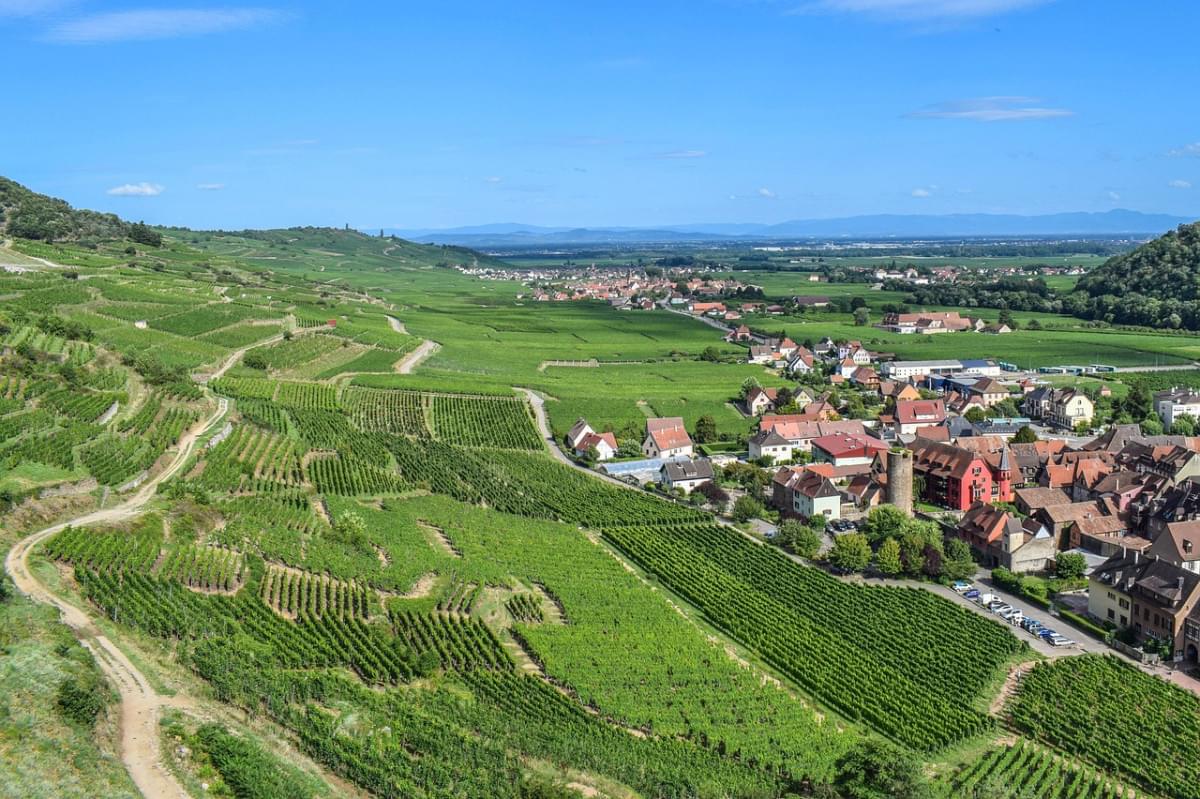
(1101, 524)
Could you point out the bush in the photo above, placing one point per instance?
(1006, 580)
(81, 699)
(1084, 623)
(1068, 565)
(876, 769)
(747, 508)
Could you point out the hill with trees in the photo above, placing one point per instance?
(26, 214)
(1156, 285)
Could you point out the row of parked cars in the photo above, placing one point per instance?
(839, 526)
(1010, 614)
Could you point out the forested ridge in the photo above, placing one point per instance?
(1157, 284)
(28, 215)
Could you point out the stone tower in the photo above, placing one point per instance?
(900, 480)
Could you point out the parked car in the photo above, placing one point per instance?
(962, 586)
(972, 594)
(1046, 633)
(997, 605)
(1012, 615)
(1060, 640)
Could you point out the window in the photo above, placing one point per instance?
(1112, 596)
(1111, 614)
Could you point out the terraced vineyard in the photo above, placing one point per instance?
(501, 423)
(481, 421)
(835, 639)
(205, 568)
(304, 595)
(1078, 704)
(397, 412)
(1026, 770)
(460, 644)
(393, 573)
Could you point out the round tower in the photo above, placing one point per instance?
(900, 480)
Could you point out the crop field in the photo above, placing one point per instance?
(836, 640)
(288, 355)
(1078, 704)
(391, 572)
(371, 360)
(471, 421)
(1011, 772)
(240, 335)
(622, 396)
(210, 317)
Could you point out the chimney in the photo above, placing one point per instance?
(1136, 553)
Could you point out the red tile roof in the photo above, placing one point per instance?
(920, 411)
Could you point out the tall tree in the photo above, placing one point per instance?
(887, 559)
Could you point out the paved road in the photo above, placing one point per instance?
(539, 413)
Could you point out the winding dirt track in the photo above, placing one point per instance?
(409, 362)
(140, 703)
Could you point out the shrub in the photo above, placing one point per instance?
(81, 699)
(746, 508)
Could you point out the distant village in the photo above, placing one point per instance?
(1011, 465)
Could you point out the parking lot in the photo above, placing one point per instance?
(1079, 642)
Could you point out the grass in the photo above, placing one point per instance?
(27, 475)
(43, 754)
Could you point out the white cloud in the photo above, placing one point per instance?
(991, 109)
(683, 154)
(136, 190)
(919, 192)
(1192, 149)
(767, 194)
(210, 186)
(492, 179)
(159, 23)
(1114, 196)
(1180, 184)
(922, 9)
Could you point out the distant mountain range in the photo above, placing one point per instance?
(1117, 222)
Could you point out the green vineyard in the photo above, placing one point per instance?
(1083, 705)
(1026, 770)
(300, 594)
(835, 639)
(461, 644)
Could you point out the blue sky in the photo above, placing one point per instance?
(415, 115)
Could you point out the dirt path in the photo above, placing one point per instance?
(140, 703)
(1010, 686)
(397, 325)
(411, 361)
(7, 245)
